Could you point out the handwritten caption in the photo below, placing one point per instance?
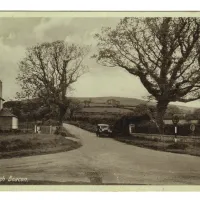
(13, 179)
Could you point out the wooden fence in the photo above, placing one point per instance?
(46, 129)
(40, 129)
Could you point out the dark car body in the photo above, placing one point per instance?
(103, 130)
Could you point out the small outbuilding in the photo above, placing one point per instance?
(8, 121)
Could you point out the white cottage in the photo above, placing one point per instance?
(8, 121)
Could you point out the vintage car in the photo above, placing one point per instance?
(103, 129)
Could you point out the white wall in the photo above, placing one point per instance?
(0, 95)
(14, 123)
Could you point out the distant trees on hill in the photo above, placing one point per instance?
(87, 103)
(171, 110)
(113, 102)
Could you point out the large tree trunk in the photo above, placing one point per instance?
(71, 116)
(62, 111)
(161, 109)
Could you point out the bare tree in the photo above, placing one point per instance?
(163, 52)
(49, 70)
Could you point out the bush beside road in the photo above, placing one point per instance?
(84, 125)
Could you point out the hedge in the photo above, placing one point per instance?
(182, 129)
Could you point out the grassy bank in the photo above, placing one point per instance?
(17, 145)
(155, 144)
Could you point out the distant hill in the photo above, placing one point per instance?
(99, 104)
(101, 101)
(123, 100)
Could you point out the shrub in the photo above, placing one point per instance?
(62, 133)
(147, 127)
(58, 130)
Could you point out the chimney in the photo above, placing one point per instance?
(1, 99)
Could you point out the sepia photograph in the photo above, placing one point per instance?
(99, 99)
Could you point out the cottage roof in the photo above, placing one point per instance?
(6, 113)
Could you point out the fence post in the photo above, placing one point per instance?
(35, 129)
(50, 129)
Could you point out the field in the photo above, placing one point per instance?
(123, 100)
(99, 111)
(17, 145)
(105, 110)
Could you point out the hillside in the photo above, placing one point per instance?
(128, 102)
(123, 100)
(97, 107)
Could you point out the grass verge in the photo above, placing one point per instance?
(179, 147)
(18, 145)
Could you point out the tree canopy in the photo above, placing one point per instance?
(49, 70)
(163, 52)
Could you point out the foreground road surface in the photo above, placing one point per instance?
(105, 161)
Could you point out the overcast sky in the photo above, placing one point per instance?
(18, 33)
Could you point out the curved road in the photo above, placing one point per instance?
(105, 161)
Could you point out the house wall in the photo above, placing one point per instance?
(0, 95)
(14, 123)
(5, 123)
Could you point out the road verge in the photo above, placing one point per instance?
(18, 145)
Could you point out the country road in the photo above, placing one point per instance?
(105, 161)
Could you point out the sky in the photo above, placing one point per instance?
(16, 34)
